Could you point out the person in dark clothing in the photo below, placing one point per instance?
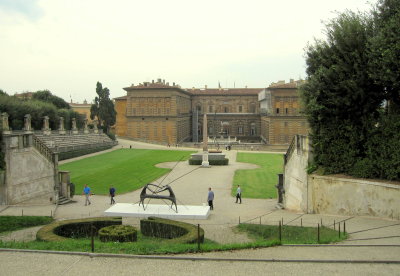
(210, 199)
(112, 194)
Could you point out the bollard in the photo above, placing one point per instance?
(92, 237)
(280, 231)
(198, 237)
(318, 233)
(344, 227)
(339, 229)
(282, 221)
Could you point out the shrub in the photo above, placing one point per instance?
(75, 228)
(76, 153)
(211, 162)
(119, 233)
(176, 231)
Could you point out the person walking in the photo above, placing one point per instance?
(238, 194)
(210, 198)
(87, 193)
(112, 194)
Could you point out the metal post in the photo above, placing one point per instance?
(239, 219)
(334, 225)
(260, 220)
(51, 213)
(92, 237)
(344, 227)
(301, 222)
(318, 233)
(198, 237)
(339, 229)
(22, 213)
(280, 231)
(321, 222)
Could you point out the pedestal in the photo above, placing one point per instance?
(205, 163)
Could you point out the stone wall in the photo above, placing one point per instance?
(349, 196)
(334, 194)
(28, 173)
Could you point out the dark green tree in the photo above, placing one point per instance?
(340, 98)
(103, 108)
(384, 51)
(47, 96)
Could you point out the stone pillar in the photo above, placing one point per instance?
(95, 129)
(85, 126)
(4, 123)
(74, 129)
(46, 128)
(27, 123)
(61, 129)
(205, 163)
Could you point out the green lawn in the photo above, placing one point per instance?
(126, 169)
(258, 183)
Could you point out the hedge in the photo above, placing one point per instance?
(176, 231)
(119, 233)
(75, 228)
(211, 162)
(76, 153)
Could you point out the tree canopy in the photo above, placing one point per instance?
(350, 77)
(103, 108)
(47, 96)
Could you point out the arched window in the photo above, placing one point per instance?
(253, 129)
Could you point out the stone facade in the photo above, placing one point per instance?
(83, 109)
(163, 113)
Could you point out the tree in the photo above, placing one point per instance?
(384, 51)
(103, 108)
(47, 96)
(340, 98)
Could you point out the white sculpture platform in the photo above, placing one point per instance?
(162, 211)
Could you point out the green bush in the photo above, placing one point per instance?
(76, 153)
(176, 231)
(119, 233)
(211, 162)
(75, 228)
(12, 223)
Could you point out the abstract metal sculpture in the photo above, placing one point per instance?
(155, 193)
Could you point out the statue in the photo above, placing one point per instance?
(85, 126)
(155, 193)
(27, 123)
(46, 128)
(74, 129)
(95, 129)
(4, 123)
(61, 129)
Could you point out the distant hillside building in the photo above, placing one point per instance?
(163, 113)
(82, 108)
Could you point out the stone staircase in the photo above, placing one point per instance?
(63, 200)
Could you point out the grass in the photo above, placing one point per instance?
(291, 234)
(258, 183)
(12, 223)
(126, 169)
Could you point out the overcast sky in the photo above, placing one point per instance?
(66, 46)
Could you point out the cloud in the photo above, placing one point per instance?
(29, 9)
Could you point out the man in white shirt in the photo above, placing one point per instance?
(238, 194)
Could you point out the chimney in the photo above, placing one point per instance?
(158, 80)
(152, 81)
(173, 84)
(167, 83)
(163, 81)
(205, 87)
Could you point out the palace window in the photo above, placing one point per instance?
(252, 129)
(240, 130)
(277, 111)
(286, 110)
(240, 108)
(226, 109)
(210, 108)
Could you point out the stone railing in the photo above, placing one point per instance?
(43, 149)
(290, 149)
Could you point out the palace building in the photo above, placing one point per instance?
(163, 113)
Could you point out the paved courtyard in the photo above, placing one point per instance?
(372, 241)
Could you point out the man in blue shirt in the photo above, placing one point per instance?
(87, 193)
(210, 199)
(112, 194)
